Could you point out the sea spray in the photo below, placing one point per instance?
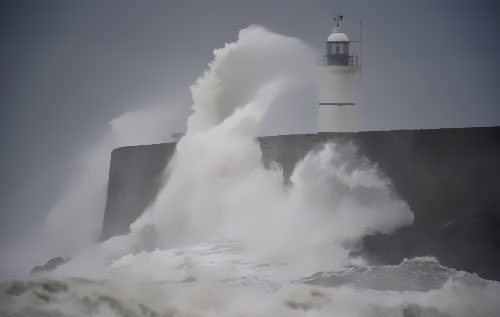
(81, 204)
(218, 187)
(75, 220)
(227, 236)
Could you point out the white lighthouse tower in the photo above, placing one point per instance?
(339, 79)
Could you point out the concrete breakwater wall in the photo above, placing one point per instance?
(135, 176)
(449, 177)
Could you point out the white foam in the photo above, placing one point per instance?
(226, 236)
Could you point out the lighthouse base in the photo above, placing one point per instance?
(338, 118)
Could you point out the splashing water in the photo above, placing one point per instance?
(227, 236)
(218, 187)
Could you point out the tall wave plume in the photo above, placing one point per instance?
(218, 187)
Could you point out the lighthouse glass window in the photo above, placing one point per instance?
(339, 48)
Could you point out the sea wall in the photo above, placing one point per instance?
(135, 176)
(449, 177)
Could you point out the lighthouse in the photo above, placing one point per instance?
(339, 80)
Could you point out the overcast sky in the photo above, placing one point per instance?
(69, 67)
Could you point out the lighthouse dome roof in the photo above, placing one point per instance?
(337, 37)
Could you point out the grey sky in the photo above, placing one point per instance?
(69, 67)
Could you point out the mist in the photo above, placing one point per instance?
(227, 235)
(71, 68)
(217, 186)
(75, 221)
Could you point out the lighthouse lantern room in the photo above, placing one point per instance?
(339, 79)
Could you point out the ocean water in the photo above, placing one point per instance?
(223, 278)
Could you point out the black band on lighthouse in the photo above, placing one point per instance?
(336, 104)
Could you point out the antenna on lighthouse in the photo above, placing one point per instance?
(337, 19)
